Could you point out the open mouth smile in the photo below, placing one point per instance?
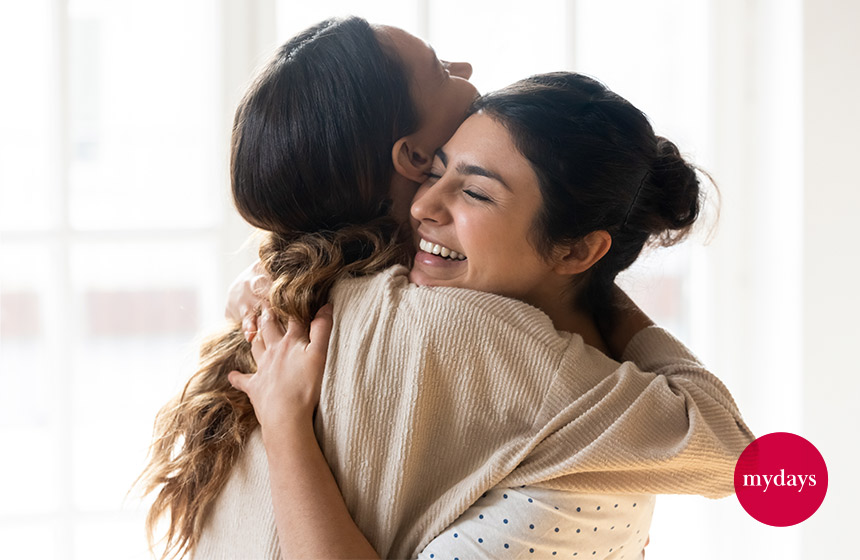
(436, 249)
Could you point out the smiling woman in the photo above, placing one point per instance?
(87, 169)
(481, 201)
(549, 190)
(491, 361)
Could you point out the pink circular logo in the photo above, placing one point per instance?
(780, 479)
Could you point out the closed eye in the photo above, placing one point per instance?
(477, 196)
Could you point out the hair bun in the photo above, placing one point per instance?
(675, 199)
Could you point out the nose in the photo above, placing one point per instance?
(459, 69)
(428, 205)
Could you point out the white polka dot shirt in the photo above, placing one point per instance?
(531, 522)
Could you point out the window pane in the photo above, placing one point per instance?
(503, 40)
(667, 78)
(141, 307)
(622, 53)
(29, 144)
(30, 370)
(145, 144)
(658, 282)
(108, 540)
(29, 540)
(294, 16)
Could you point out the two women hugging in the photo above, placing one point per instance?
(439, 361)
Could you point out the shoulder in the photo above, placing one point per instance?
(654, 345)
(389, 294)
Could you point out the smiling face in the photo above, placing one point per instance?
(481, 201)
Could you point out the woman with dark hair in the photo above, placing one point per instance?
(327, 145)
(534, 442)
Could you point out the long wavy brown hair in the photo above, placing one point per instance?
(310, 163)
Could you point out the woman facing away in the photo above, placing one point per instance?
(404, 380)
(329, 143)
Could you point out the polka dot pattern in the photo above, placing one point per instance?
(538, 522)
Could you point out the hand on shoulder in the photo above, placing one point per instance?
(290, 366)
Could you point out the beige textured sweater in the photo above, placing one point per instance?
(434, 395)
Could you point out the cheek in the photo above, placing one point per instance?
(507, 251)
(493, 243)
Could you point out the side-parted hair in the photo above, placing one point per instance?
(311, 165)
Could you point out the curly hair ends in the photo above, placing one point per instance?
(305, 266)
(200, 434)
(197, 437)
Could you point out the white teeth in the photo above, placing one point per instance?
(436, 249)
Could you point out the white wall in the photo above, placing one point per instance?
(831, 305)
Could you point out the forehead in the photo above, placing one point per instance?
(416, 55)
(485, 142)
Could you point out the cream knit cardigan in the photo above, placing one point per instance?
(434, 395)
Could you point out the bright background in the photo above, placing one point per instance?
(119, 241)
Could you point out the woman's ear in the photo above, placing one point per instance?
(580, 255)
(410, 160)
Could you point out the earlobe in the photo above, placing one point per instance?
(584, 253)
(410, 161)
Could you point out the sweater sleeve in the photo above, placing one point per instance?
(432, 396)
(655, 350)
(662, 425)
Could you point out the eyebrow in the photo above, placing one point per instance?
(470, 169)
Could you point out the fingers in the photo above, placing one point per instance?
(320, 330)
(249, 326)
(297, 330)
(270, 329)
(239, 380)
(258, 348)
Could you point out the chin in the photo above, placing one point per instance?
(418, 278)
(415, 278)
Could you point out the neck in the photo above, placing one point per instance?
(569, 317)
(583, 324)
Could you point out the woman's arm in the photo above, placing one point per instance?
(310, 514)
(651, 460)
(312, 519)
